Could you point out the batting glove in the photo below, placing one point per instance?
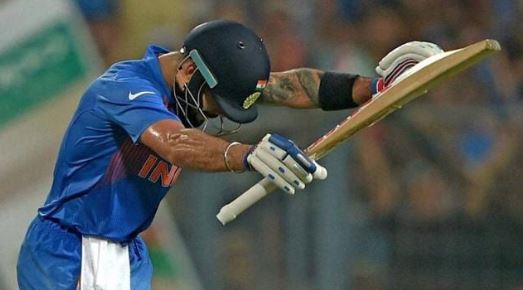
(400, 60)
(280, 160)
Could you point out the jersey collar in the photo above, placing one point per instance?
(151, 58)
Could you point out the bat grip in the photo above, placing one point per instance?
(231, 210)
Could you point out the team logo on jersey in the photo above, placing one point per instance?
(251, 99)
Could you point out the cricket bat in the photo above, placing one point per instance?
(413, 83)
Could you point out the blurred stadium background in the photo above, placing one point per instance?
(430, 198)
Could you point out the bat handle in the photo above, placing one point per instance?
(231, 210)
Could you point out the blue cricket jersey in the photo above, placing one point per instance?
(106, 183)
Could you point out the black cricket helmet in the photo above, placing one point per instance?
(234, 63)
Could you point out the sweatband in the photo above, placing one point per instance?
(335, 92)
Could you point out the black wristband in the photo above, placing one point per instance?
(335, 92)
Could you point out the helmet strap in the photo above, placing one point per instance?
(223, 131)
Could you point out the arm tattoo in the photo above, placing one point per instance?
(297, 88)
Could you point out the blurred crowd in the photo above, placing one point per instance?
(440, 183)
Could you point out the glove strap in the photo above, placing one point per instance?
(377, 86)
(246, 163)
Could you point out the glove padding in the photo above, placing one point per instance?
(279, 159)
(402, 58)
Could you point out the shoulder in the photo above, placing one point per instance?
(126, 89)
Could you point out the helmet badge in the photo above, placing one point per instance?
(251, 99)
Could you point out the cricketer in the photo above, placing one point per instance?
(140, 122)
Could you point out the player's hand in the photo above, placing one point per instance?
(279, 159)
(401, 59)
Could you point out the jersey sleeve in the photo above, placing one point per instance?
(135, 110)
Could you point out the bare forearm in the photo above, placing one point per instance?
(299, 88)
(192, 148)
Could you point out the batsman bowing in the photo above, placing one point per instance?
(142, 121)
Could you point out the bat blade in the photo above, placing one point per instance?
(410, 85)
(414, 83)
